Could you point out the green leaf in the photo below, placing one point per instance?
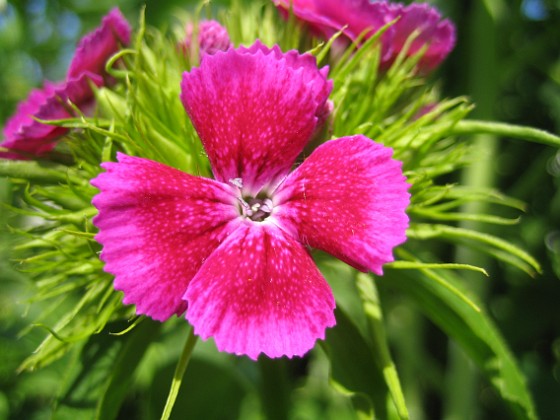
(462, 216)
(492, 245)
(415, 265)
(39, 172)
(101, 371)
(506, 130)
(372, 308)
(357, 347)
(442, 300)
(119, 379)
(353, 369)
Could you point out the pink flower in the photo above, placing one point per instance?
(23, 135)
(326, 17)
(212, 37)
(234, 251)
(437, 34)
(95, 48)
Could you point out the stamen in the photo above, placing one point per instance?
(237, 182)
(255, 208)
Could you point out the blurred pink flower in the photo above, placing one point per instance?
(326, 17)
(98, 46)
(437, 34)
(24, 136)
(234, 251)
(22, 133)
(212, 37)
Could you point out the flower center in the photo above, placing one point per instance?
(255, 208)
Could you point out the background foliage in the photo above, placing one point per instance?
(507, 61)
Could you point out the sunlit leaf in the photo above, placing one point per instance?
(471, 328)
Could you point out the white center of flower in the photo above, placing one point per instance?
(255, 208)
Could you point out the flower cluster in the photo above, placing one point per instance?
(361, 19)
(24, 136)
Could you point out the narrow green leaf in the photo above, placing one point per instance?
(361, 364)
(381, 352)
(446, 197)
(461, 216)
(39, 172)
(120, 376)
(495, 246)
(86, 374)
(353, 369)
(322, 50)
(416, 265)
(506, 130)
(443, 301)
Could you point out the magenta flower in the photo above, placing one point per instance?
(234, 251)
(23, 135)
(326, 17)
(212, 37)
(437, 34)
(95, 48)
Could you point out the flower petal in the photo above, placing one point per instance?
(254, 109)
(95, 48)
(260, 292)
(348, 198)
(24, 134)
(353, 17)
(157, 225)
(437, 34)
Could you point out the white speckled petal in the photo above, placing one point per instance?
(157, 225)
(348, 198)
(254, 110)
(260, 292)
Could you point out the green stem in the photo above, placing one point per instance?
(370, 298)
(275, 388)
(506, 130)
(40, 172)
(462, 379)
(178, 375)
